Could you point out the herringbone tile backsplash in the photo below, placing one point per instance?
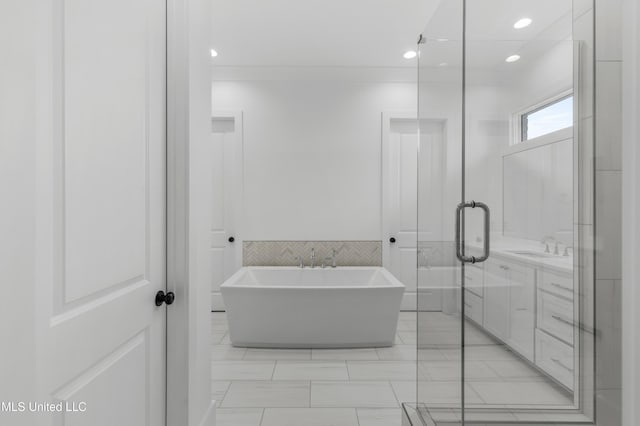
(283, 253)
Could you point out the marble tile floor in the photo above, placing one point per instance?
(365, 387)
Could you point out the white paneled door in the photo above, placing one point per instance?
(100, 211)
(224, 195)
(401, 146)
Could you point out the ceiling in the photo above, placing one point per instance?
(327, 33)
(376, 33)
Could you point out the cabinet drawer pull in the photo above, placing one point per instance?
(504, 268)
(522, 309)
(557, 361)
(562, 320)
(561, 287)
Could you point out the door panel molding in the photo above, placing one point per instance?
(86, 163)
(103, 379)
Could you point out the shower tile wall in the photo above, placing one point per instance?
(284, 253)
(608, 210)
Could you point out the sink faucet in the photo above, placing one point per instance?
(546, 240)
(313, 258)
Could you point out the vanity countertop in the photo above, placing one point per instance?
(531, 253)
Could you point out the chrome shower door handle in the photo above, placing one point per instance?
(487, 232)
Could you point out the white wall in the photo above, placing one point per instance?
(312, 152)
(201, 408)
(189, 123)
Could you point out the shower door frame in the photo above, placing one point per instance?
(584, 268)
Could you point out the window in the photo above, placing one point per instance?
(549, 118)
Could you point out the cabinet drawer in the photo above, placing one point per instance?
(555, 316)
(562, 285)
(473, 307)
(555, 357)
(474, 279)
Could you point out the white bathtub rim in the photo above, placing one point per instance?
(231, 282)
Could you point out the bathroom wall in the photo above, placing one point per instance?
(312, 154)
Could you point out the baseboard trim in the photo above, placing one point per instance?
(217, 303)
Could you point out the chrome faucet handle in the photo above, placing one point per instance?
(313, 258)
(566, 250)
(556, 251)
(300, 260)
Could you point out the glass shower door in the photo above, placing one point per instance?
(505, 235)
(440, 296)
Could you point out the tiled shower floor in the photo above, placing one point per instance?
(365, 387)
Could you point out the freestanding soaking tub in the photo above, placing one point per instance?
(289, 307)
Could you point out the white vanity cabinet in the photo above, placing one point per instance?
(555, 328)
(527, 305)
(496, 299)
(509, 304)
(474, 293)
(522, 291)
(474, 278)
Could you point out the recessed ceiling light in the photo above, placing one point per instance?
(213, 53)
(522, 23)
(513, 58)
(410, 54)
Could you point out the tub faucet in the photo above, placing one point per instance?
(423, 259)
(313, 258)
(300, 260)
(332, 258)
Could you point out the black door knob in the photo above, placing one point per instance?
(392, 240)
(231, 239)
(168, 298)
